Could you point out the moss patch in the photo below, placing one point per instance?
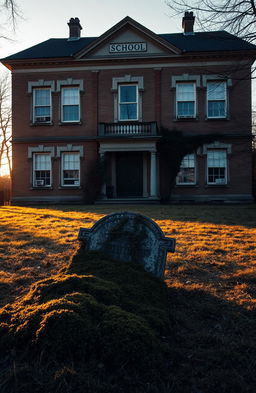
(97, 326)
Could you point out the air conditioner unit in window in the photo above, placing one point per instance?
(39, 183)
(219, 181)
(42, 119)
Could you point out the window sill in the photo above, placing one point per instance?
(70, 123)
(41, 124)
(216, 185)
(217, 118)
(41, 188)
(69, 187)
(186, 119)
(186, 185)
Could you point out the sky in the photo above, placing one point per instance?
(49, 18)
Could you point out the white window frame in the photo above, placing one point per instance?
(40, 183)
(43, 119)
(128, 102)
(182, 83)
(223, 82)
(222, 181)
(188, 158)
(63, 88)
(77, 180)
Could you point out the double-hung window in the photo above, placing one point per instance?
(70, 104)
(185, 100)
(42, 170)
(187, 172)
(70, 169)
(216, 99)
(128, 102)
(217, 166)
(42, 106)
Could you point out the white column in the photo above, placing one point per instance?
(153, 172)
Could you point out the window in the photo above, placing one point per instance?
(41, 170)
(216, 99)
(42, 105)
(187, 173)
(70, 164)
(128, 102)
(217, 167)
(185, 100)
(70, 104)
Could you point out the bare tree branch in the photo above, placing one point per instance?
(237, 17)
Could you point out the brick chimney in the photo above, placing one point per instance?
(74, 29)
(188, 23)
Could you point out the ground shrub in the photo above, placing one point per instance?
(97, 324)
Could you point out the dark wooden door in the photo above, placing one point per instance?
(129, 174)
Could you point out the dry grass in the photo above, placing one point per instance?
(216, 246)
(211, 282)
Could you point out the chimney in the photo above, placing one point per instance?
(74, 29)
(188, 23)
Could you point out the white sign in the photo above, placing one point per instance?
(128, 47)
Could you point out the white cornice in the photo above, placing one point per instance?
(132, 66)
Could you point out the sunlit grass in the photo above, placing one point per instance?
(216, 246)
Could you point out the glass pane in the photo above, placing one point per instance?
(42, 96)
(216, 109)
(70, 96)
(185, 92)
(128, 112)
(42, 111)
(128, 94)
(71, 113)
(188, 161)
(217, 158)
(71, 174)
(216, 90)
(71, 161)
(42, 162)
(186, 109)
(43, 175)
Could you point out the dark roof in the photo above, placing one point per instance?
(199, 42)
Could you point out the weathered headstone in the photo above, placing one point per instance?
(130, 237)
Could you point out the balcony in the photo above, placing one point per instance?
(128, 129)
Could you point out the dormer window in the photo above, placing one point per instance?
(42, 106)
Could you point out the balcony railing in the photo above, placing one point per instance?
(128, 129)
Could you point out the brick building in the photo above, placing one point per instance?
(78, 99)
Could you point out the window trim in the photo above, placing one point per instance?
(180, 117)
(34, 185)
(225, 182)
(128, 102)
(62, 105)
(34, 106)
(217, 100)
(62, 153)
(195, 171)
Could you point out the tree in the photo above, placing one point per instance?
(5, 123)
(237, 17)
(9, 12)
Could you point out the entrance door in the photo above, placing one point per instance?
(129, 174)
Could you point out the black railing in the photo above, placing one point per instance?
(128, 129)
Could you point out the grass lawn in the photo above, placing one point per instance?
(210, 278)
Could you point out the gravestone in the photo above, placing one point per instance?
(130, 237)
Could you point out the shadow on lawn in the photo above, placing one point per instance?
(241, 215)
(212, 344)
